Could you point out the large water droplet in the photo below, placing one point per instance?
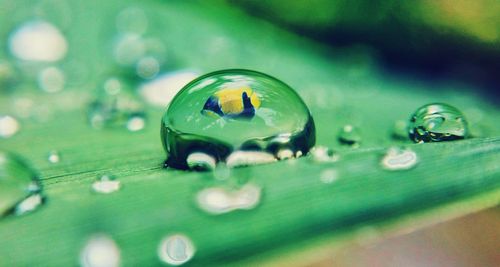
(106, 184)
(20, 191)
(100, 251)
(219, 200)
(221, 113)
(38, 41)
(399, 159)
(176, 249)
(349, 135)
(437, 122)
(8, 126)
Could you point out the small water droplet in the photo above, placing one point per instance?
(38, 41)
(176, 249)
(437, 122)
(115, 109)
(324, 154)
(219, 200)
(51, 80)
(328, 176)
(106, 184)
(20, 190)
(400, 130)
(349, 135)
(160, 91)
(399, 159)
(100, 251)
(8, 126)
(112, 86)
(220, 113)
(54, 156)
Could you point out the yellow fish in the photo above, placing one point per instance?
(233, 103)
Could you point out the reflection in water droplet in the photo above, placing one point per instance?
(248, 158)
(222, 112)
(200, 161)
(437, 122)
(29, 204)
(324, 154)
(51, 80)
(8, 126)
(20, 191)
(399, 159)
(160, 91)
(219, 200)
(106, 184)
(176, 249)
(54, 156)
(328, 176)
(38, 41)
(349, 135)
(100, 251)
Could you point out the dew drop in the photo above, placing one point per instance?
(8, 126)
(100, 251)
(20, 190)
(114, 108)
(176, 249)
(106, 184)
(160, 91)
(399, 159)
(51, 80)
(54, 156)
(219, 200)
(128, 49)
(437, 122)
(328, 176)
(324, 154)
(400, 130)
(38, 41)
(349, 135)
(221, 112)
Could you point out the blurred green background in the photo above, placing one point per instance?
(88, 81)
